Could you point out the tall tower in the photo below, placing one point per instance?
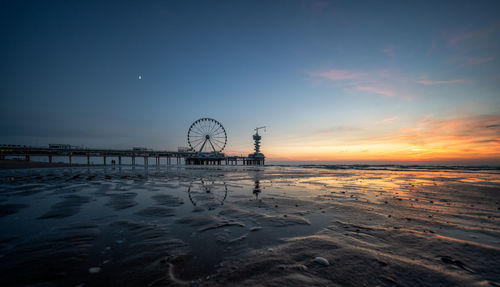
(256, 138)
(256, 158)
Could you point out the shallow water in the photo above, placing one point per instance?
(172, 225)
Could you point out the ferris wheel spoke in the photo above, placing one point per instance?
(219, 140)
(196, 141)
(197, 132)
(196, 135)
(210, 141)
(207, 127)
(210, 126)
(209, 122)
(222, 145)
(196, 145)
(201, 127)
(203, 145)
(218, 146)
(215, 128)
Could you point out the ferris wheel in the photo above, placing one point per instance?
(207, 135)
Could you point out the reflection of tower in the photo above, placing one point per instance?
(256, 189)
(256, 158)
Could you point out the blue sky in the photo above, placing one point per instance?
(331, 79)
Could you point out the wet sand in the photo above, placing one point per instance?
(246, 226)
(18, 164)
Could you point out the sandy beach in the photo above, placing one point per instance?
(22, 164)
(249, 226)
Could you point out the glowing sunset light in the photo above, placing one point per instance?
(426, 139)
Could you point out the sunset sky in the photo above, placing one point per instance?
(372, 81)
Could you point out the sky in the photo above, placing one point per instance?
(333, 81)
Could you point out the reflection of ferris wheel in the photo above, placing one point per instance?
(207, 192)
(207, 135)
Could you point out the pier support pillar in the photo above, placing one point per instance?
(133, 160)
(50, 159)
(104, 159)
(88, 159)
(145, 161)
(70, 160)
(119, 160)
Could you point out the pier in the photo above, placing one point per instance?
(171, 157)
(206, 137)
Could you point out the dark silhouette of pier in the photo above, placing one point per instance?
(172, 157)
(206, 137)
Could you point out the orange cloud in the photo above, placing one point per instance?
(376, 90)
(375, 82)
(388, 120)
